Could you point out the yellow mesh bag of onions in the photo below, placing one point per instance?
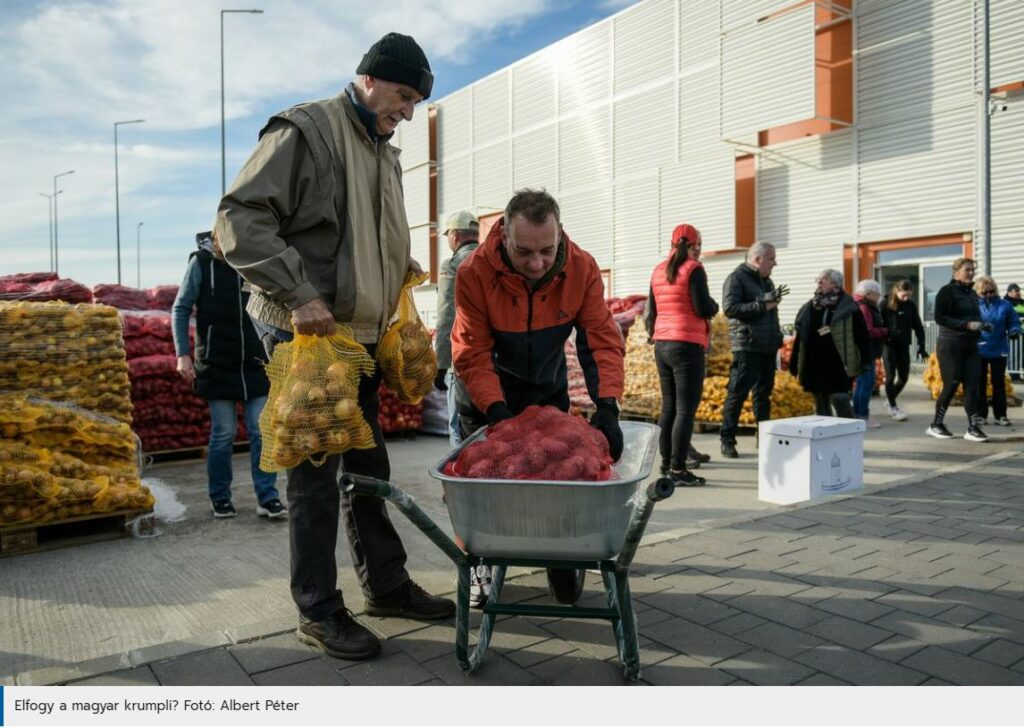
(312, 410)
(405, 354)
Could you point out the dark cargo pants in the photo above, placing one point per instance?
(313, 506)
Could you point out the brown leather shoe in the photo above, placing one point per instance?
(340, 635)
(410, 601)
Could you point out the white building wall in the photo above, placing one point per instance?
(623, 122)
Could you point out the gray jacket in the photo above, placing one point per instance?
(446, 303)
(751, 327)
(318, 211)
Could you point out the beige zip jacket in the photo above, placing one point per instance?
(318, 210)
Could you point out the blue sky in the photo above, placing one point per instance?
(74, 68)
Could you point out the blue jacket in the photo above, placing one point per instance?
(1005, 322)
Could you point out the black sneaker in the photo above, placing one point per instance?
(224, 509)
(272, 509)
(939, 430)
(696, 456)
(729, 450)
(975, 434)
(686, 479)
(340, 635)
(410, 601)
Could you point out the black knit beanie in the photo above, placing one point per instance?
(398, 58)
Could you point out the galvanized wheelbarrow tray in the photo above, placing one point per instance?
(563, 526)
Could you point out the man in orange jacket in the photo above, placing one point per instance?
(518, 297)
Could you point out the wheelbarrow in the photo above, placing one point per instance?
(565, 527)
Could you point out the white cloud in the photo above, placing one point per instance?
(72, 68)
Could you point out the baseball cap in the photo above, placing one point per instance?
(684, 231)
(462, 220)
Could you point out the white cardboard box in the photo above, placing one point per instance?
(801, 458)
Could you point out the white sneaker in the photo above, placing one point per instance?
(897, 414)
(1003, 422)
(479, 585)
(872, 424)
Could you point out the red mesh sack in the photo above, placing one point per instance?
(161, 298)
(541, 443)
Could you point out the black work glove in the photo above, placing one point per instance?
(497, 412)
(986, 326)
(775, 295)
(606, 420)
(1014, 335)
(922, 354)
(439, 382)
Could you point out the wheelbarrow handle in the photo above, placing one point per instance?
(365, 485)
(660, 489)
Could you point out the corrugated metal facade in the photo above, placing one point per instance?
(623, 121)
(768, 73)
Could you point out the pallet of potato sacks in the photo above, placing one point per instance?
(33, 538)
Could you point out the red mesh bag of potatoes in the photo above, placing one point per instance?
(541, 443)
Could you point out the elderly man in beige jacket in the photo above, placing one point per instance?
(315, 221)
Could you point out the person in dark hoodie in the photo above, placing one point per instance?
(900, 317)
(831, 346)
(960, 326)
(228, 368)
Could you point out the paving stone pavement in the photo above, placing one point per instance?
(922, 583)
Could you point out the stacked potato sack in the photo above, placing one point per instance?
(397, 416)
(642, 393)
(168, 414)
(626, 310)
(42, 287)
(933, 381)
(579, 397)
(643, 390)
(64, 352)
(58, 461)
(541, 443)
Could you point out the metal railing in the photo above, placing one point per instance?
(1014, 363)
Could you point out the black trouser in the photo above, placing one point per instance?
(313, 502)
(839, 402)
(959, 363)
(681, 371)
(896, 359)
(750, 369)
(998, 369)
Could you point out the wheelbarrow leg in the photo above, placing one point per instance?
(471, 661)
(616, 583)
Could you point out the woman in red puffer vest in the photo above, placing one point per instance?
(678, 319)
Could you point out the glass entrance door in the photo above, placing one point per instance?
(933, 277)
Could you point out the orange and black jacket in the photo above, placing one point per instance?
(508, 341)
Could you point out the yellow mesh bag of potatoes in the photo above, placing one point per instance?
(312, 410)
(405, 353)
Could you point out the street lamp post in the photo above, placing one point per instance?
(49, 212)
(138, 255)
(223, 160)
(56, 259)
(117, 194)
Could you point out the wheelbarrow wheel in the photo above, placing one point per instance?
(566, 585)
